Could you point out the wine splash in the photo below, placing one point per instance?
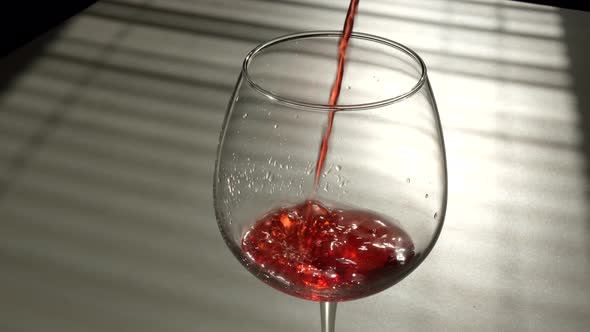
(343, 254)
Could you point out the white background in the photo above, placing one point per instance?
(107, 140)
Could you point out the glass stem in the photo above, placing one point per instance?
(328, 313)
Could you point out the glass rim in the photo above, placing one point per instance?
(325, 107)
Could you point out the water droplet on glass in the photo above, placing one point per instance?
(435, 215)
(275, 126)
(296, 116)
(426, 196)
(326, 186)
(348, 87)
(338, 167)
(245, 115)
(408, 180)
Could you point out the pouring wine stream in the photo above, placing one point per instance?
(328, 309)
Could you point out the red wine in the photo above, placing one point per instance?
(336, 87)
(323, 254)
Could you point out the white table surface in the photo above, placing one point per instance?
(108, 131)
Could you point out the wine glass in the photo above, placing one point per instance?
(378, 204)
